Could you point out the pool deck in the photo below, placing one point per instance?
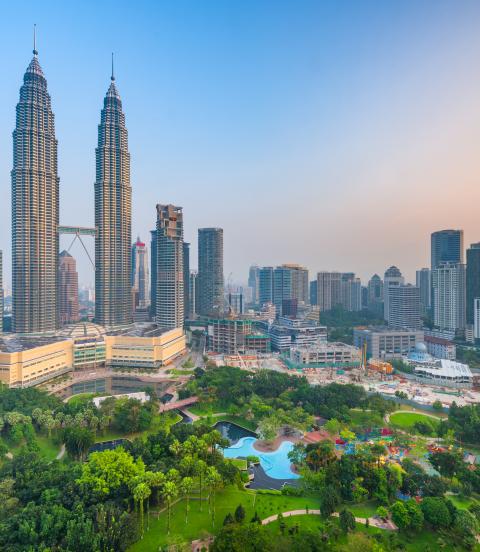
(262, 481)
(272, 446)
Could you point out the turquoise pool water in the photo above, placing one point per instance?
(275, 464)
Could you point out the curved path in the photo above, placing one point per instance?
(373, 521)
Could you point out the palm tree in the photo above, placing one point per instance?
(169, 492)
(201, 468)
(156, 480)
(213, 480)
(186, 487)
(140, 493)
(176, 448)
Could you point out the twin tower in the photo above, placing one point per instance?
(35, 211)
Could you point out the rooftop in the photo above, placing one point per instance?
(445, 368)
(16, 344)
(147, 329)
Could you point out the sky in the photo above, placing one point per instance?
(337, 135)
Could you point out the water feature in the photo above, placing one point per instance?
(107, 445)
(275, 464)
(233, 432)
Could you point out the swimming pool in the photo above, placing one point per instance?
(275, 464)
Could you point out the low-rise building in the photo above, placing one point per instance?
(227, 335)
(144, 346)
(257, 343)
(441, 348)
(88, 344)
(28, 361)
(386, 343)
(294, 332)
(325, 355)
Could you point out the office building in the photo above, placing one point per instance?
(236, 302)
(446, 247)
(193, 290)
(386, 343)
(440, 348)
(404, 307)
(186, 279)
(253, 283)
(140, 275)
(472, 280)
(288, 332)
(153, 273)
(265, 285)
(170, 276)
(392, 278)
(350, 292)
(67, 289)
(449, 297)
(375, 294)
(314, 292)
(228, 335)
(290, 282)
(35, 207)
(113, 214)
(476, 318)
(210, 271)
(328, 290)
(1, 291)
(423, 281)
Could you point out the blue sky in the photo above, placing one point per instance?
(333, 134)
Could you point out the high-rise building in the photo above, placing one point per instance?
(113, 216)
(153, 273)
(404, 307)
(328, 290)
(375, 294)
(476, 318)
(446, 247)
(350, 292)
(290, 282)
(253, 283)
(170, 294)
(392, 278)
(140, 274)
(424, 284)
(1, 291)
(186, 279)
(35, 207)
(265, 285)
(67, 289)
(236, 302)
(210, 271)
(473, 280)
(193, 285)
(448, 283)
(314, 292)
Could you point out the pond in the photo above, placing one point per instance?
(107, 445)
(275, 464)
(233, 432)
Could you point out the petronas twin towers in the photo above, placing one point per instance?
(35, 211)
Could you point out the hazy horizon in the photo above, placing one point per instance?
(337, 135)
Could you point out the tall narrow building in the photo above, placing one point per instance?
(35, 207)
(1, 291)
(113, 216)
(67, 289)
(170, 276)
(140, 274)
(210, 271)
(186, 279)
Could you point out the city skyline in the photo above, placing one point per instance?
(190, 171)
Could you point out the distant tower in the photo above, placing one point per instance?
(210, 271)
(446, 247)
(153, 273)
(140, 274)
(473, 280)
(186, 279)
(113, 215)
(35, 201)
(67, 289)
(392, 278)
(170, 295)
(253, 276)
(1, 291)
(424, 283)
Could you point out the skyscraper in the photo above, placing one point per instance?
(35, 207)
(473, 280)
(446, 247)
(170, 295)
(404, 307)
(351, 292)
(424, 283)
(328, 290)
(392, 278)
(210, 270)
(448, 284)
(193, 286)
(253, 283)
(140, 277)
(265, 285)
(67, 289)
(113, 214)
(153, 273)
(290, 281)
(186, 279)
(1, 291)
(375, 294)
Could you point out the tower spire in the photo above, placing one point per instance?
(112, 78)
(35, 53)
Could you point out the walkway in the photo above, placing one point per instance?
(178, 404)
(373, 521)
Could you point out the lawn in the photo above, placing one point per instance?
(462, 502)
(365, 418)
(199, 522)
(48, 449)
(202, 409)
(364, 509)
(406, 420)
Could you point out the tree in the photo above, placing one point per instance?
(332, 426)
(437, 405)
(78, 441)
(239, 514)
(228, 519)
(436, 512)
(347, 521)
(449, 463)
(140, 494)
(328, 501)
(169, 492)
(201, 468)
(400, 515)
(382, 512)
(213, 480)
(186, 487)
